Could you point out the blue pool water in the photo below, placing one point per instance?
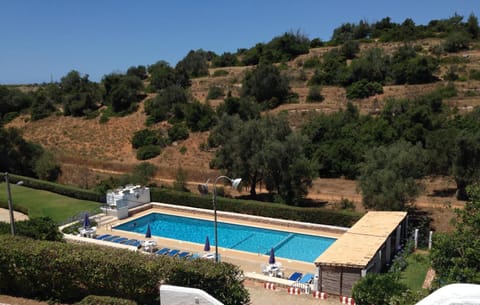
(289, 245)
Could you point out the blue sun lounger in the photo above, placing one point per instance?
(295, 276)
(131, 242)
(162, 251)
(306, 279)
(101, 237)
(120, 240)
(173, 252)
(183, 254)
(110, 238)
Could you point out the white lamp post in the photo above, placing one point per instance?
(10, 204)
(203, 189)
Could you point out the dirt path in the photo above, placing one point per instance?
(5, 216)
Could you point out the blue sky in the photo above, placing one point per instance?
(44, 40)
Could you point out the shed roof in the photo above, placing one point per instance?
(360, 243)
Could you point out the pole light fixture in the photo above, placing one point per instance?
(203, 189)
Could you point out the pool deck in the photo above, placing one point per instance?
(250, 263)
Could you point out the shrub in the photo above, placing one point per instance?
(42, 228)
(148, 152)
(146, 137)
(215, 92)
(178, 132)
(68, 273)
(103, 300)
(314, 94)
(377, 289)
(312, 62)
(218, 73)
(363, 88)
(475, 74)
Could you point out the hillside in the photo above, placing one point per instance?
(90, 151)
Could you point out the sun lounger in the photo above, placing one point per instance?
(111, 237)
(193, 256)
(120, 240)
(306, 279)
(295, 276)
(101, 237)
(162, 251)
(183, 254)
(114, 239)
(173, 252)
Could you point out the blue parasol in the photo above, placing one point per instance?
(149, 232)
(271, 259)
(207, 245)
(86, 221)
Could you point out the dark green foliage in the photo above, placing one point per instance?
(178, 132)
(138, 71)
(265, 83)
(245, 107)
(350, 48)
(42, 228)
(16, 154)
(199, 117)
(219, 73)
(316, 43)
(57, 188)
(274, 210)
(225, 60)
(266, 151)
(43, 104)
(12, 102)
(122, 92)
(363, 89)
(311, 62)
(474, 74)
(455, 256)
(388, 176)
(80, 95)
(142, 174)
(148, 151)
(103, 300)
(162, 107)
(195, 64)
(47, 167)
(214, 92)
(466, 161)
(456, 42)
(147, 137)
(163, 76)
(280, 49)
(314, 94)
(377, 289)
(68, 273)
(371, 66)
(472, 27)
(332, 71)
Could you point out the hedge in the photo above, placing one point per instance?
(102, 300)
(61, 189)
(266, 209)
(68, 273)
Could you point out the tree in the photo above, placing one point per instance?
(138, 71)
(455, 256)
(466, 161)
(80, 95)
(472, 26)
(245, 107)
(162, 106)
(377, 288)
(180, 183)
(122, 91)
(198, 116)
(265, 83)
(163, 76)
(264, 151)
(47, 167)
(388, 176)
(195, 64)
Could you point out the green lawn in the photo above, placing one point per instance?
(42, 203)
(414, 275)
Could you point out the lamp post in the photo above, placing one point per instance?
(10, 205)
(203, 189)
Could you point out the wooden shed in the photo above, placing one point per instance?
(368, 246)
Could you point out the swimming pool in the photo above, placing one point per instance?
(288, 245)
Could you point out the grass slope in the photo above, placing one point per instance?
(42, 203)
(414, 275)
